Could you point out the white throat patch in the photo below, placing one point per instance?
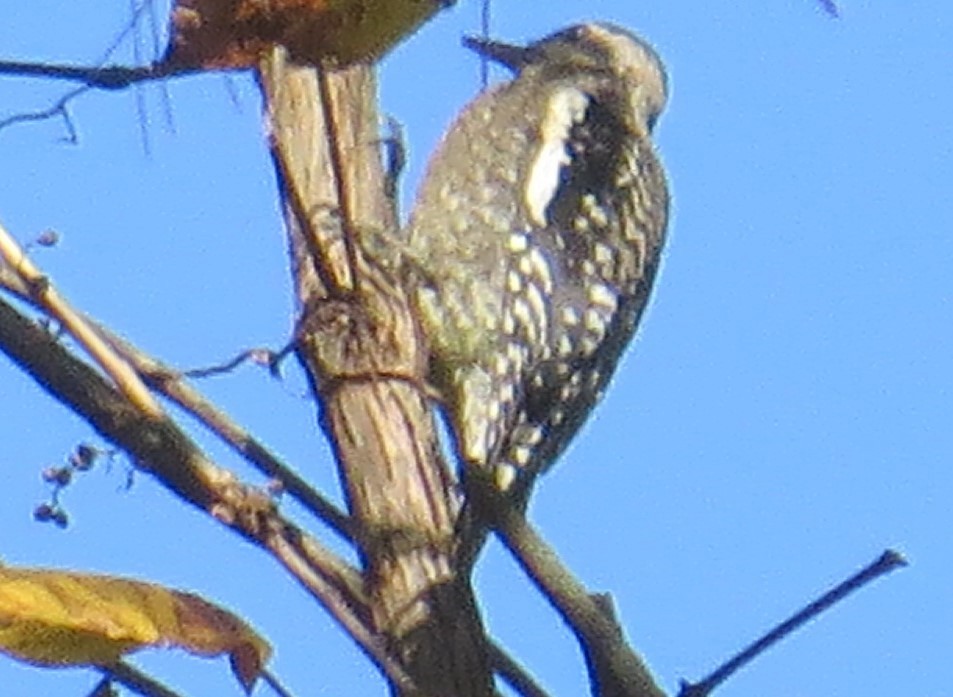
(567, 106)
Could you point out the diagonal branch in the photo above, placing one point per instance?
(160, 448)
(135, 680)
(513, 674)
(43, 294)
(615, 670)
(168, 382)
(889, 561)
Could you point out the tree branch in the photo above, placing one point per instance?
(169, 383)
(884, 564)
(161, 449)
(615, 670)
(360, 345)
(134, 679)
(513, 673)
(43, 294)
(58, 109)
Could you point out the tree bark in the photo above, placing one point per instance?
(366, 361)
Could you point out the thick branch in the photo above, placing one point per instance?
(360, 346)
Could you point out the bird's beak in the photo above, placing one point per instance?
(513, 57)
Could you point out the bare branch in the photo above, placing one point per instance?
(43, 293)
(274, 684)
(166, 381)
(296, 553)
(161, 449)
(58, 109)
(109, 77)
(513, 673)
(615, 670)
(137, 681)
(260, 356)
(885, 563)
(113, 77)
(169, 383)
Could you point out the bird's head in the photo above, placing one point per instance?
(600, 57)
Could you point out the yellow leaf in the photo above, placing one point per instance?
(59, 618)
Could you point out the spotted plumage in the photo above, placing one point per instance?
(538, 230)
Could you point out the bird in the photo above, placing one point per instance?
(537, 233)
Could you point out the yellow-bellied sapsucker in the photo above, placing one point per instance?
(538, 230)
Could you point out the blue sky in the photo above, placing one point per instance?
(783, 416)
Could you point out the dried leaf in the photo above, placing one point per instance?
(233, 33)
(58, 618)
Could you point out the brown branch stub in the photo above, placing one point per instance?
(359, 343)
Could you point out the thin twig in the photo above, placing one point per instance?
(59, 309)
(109, 77)
(137, 681)
(485, 16)
(256, 355)
(885, 563)
(126, 30)
(166, 381)
(274, 684)
(140, 94)
(154, 29)
(512, 673)
(58, 109)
